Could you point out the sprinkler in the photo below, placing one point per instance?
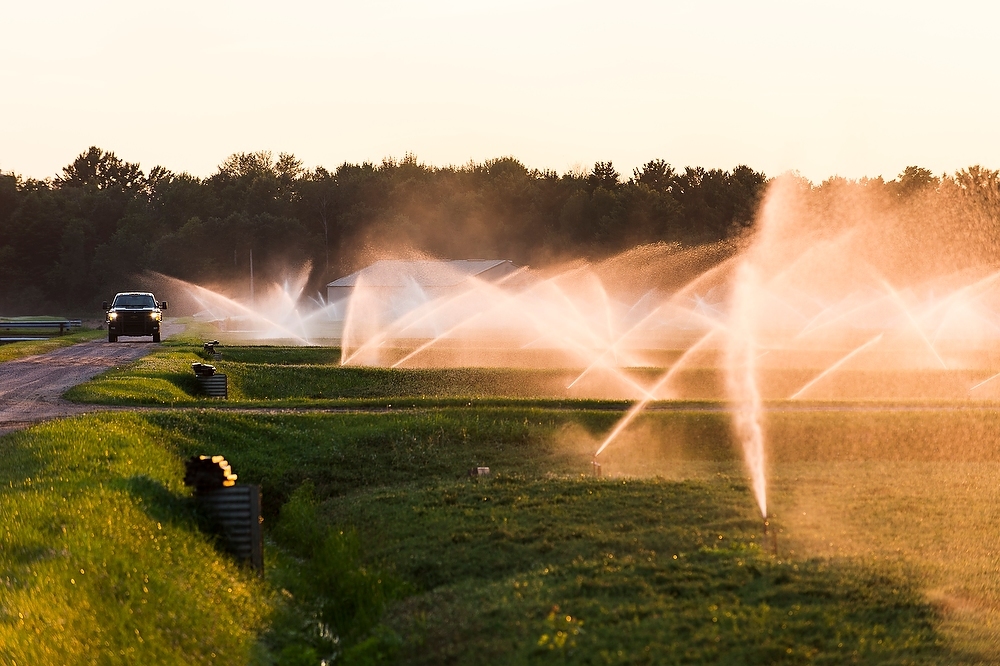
(210, 348)
(596, 467)
(772, 534)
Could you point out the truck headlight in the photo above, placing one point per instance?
(112, 316)
(155, 316)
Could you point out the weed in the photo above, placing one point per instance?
(340, 597)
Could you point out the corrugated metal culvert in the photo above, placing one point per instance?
(213, 384)
(234, 510)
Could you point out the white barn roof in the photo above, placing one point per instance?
(425, 272)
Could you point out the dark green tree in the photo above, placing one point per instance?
(657, 175)
(100, 170)
(604, 175)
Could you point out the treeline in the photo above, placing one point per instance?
(73, 240)
(69, 242)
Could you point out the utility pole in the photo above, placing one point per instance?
(251, 277)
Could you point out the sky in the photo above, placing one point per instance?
(844, 88)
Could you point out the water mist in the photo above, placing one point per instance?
(839, 294)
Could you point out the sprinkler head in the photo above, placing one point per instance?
(772, 534)
(596, 467)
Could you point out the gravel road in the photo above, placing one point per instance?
(31, 387)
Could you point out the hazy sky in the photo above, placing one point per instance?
(847, 88)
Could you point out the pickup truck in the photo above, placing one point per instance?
(134, 313)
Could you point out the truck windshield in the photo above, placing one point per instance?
(134, 301)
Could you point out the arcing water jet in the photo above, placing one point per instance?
(833, 368)
(274, 314)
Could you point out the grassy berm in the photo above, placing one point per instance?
(381, 549)
(313, 377)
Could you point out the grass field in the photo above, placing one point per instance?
(13, 350)
(313, 377)
(381, 548)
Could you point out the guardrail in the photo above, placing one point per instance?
(63, 325)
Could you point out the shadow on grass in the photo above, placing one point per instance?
(159, 503)
(729, 606)
(180, 511)
(637, 572)
(184, 381)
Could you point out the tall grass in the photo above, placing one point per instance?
(102, 560)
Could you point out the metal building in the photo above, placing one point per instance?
(433, 277)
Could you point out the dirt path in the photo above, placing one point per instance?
(31, 388)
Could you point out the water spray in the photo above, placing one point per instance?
(272, 317)
(741, 379)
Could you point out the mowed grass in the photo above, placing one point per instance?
(621, 571)
(914, 488)
(312, 376)
(936, 518)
